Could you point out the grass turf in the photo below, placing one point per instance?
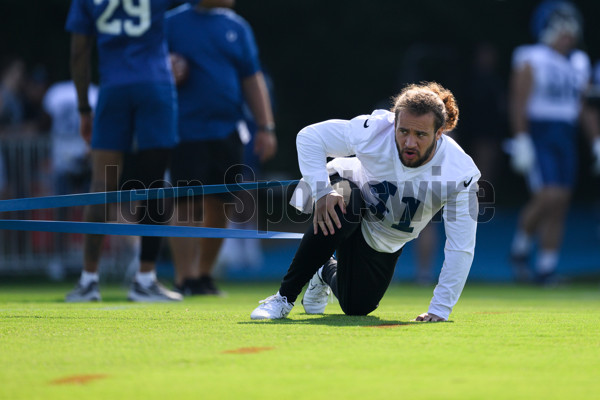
(502, 342)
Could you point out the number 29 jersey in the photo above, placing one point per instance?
(130, 36)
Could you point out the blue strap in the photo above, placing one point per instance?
(102, 228)
(69, 200)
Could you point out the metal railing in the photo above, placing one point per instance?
(26, 170)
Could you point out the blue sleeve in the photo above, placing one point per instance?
(80, 19)
(250, 63)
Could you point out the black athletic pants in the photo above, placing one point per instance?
(360, 276)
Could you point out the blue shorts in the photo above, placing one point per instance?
(139, 116)
(555, 145)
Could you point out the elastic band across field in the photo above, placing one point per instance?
(102, 228)
(105, 228)
(83, 199)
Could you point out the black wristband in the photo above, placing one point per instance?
(84, 109)
(267, 128)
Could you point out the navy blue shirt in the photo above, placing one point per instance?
(221, 51)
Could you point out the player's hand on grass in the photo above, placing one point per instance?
(325, 216)
(428, 317)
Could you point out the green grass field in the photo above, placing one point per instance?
(502, 342)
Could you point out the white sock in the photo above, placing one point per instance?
(547, 261)
(88, 277)
(521, 244)
(145, 278)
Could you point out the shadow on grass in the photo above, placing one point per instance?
(342, 320)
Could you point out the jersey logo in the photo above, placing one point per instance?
(412, 205)
(382, 191)
(467, 183)
(231, 36)
(365, 124)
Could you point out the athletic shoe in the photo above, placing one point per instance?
(316, 295)
(207, 286)
(89, 292)
(273, 307)
(152, 294)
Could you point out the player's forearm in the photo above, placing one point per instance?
(81, 49)
(460, 223)
(257, 97)
(453, 277)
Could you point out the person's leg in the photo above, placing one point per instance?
(110, 139)
(146, 171)
(557, 197)
(360, 276)
(528, 225)
(214, 217)
(186, 251)
(155, 134)
(188, 168)
(196, 163)
(225, 157)
(106, 168)
(551, 230)
(315, 250)
(556, 153)
(532, 213)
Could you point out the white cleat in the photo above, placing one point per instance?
(273, 307)
(316, 295)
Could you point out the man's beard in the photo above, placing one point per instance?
(419, 161)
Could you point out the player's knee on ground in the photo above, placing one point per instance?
(358, 307)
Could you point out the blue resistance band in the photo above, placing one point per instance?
(100, 228)
(83, 199)
(105, 228)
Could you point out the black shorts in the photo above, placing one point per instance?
(208, 162)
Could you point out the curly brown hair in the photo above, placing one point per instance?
(429, 97)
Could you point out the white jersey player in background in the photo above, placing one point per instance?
(547, 85)
(369, 206)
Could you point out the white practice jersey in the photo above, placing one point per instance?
(558, 81)
(400, 200)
